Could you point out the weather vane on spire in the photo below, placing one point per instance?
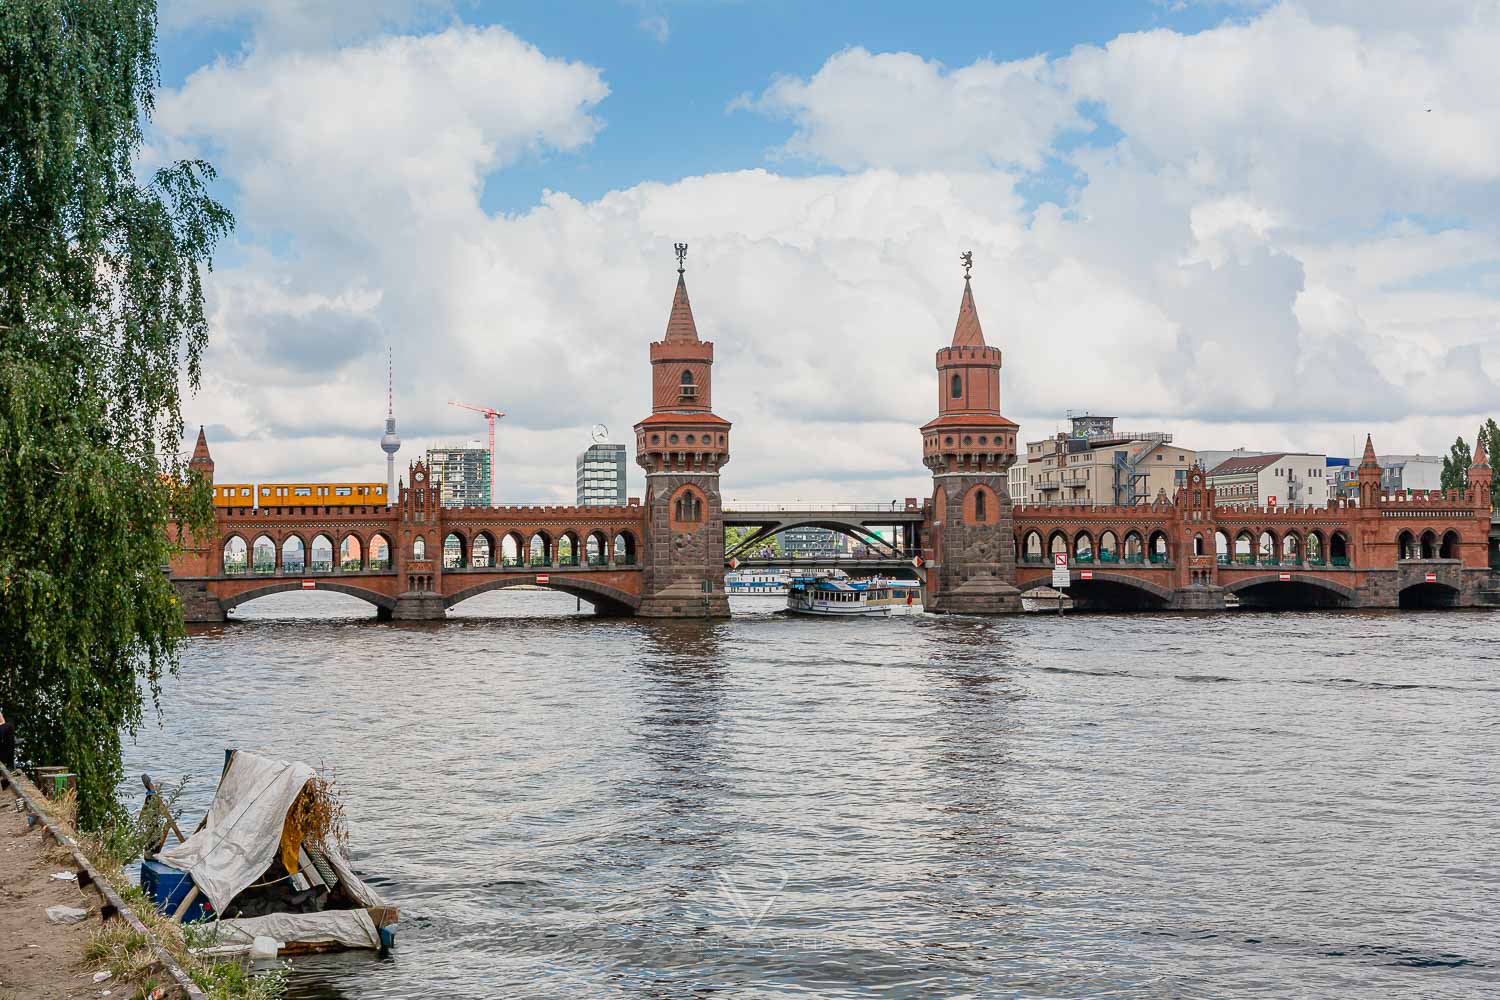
(681, 256)
(968, 258)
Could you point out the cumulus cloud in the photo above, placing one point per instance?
(1187, 283)
(902, 111)
(283, 24)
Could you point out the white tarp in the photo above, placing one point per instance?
(350, 928)
(243, 832)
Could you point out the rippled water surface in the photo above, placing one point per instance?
(1245, 805)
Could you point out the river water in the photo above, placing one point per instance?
(1245, 805)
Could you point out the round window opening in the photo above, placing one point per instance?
(968, 440)
(671, 438)
(948, 440)
(984, 440)
(656, 439)
(689, 439)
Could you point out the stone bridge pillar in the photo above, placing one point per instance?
(970, 447)
(682, 445)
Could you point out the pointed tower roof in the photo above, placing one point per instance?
(1481, 458)
(680, 326)
(200, 450)
(1369, 459)
(967, 332)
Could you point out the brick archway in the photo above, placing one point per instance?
(605, 598)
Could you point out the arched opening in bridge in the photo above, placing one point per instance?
(419, 548)
(1244, 548)
(1198, 544)
(1112, 595)
(293, 555)
(1406, 547)
(625, 549)
(1109, 548)
(1083, 548)
(263, 555)
(1286, 595)
(1291, 548)
(1135, 547)
(1338, 549)
(236, 556)
(1449, 549)
(482, 551)
(351, 554)
(540, 549)
(596, 549)
(289, 600)
(1428, 595)
(1221, 546)
(1266, 549)
(1158, 547)
(1058, 544)
(567, 549)
(512, 550)
(1031, 548)
(453, 551)
(322, 554)
(380, 552)
(1315, 554)
(1429, 544)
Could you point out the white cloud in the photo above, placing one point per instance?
(1190, 283)
(283, 24)
(901, 111)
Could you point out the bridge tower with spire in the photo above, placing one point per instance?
(682, 446)
(970, 447)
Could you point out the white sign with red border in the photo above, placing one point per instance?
(541, 578)
(1284, 577)
(1432, 578)
(309, 585)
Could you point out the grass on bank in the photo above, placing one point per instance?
(125, 952)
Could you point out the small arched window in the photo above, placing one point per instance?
(419, 548)
(689, 508)
(979, 514)
(689, 388)
(958, 387)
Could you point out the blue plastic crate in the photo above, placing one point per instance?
(166, 887)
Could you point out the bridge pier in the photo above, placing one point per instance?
(1198, 598)
(198, 605)
(417, 606)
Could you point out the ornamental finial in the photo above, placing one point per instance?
(681, 256)
(968, 259)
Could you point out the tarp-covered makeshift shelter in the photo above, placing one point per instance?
(240, 842)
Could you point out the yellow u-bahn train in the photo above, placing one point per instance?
(299, 494)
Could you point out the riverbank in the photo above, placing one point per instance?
(37, 957)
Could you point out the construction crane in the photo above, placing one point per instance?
(490, 413)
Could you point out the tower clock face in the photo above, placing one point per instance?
(418, 476)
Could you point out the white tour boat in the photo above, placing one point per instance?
(810, 595)
(758, 581)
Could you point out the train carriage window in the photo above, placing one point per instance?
(342, 491)
(302, 491)
(265, 491)
(245, 492)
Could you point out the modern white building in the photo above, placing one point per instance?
(1399, 473)
(1277, 480)
(1016, 482)
(601, 475)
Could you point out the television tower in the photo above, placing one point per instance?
(389, 442)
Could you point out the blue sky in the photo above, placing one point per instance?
(1238, 221)
(669, 109)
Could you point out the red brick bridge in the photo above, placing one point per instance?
(977, 553)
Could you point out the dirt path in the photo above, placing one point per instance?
(39, 958)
